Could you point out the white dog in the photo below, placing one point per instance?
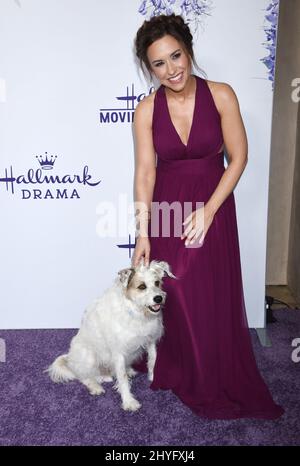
(115, 330)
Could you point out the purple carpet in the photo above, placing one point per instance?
(35, 411)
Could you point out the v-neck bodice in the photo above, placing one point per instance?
(193, 116)
(205, 137)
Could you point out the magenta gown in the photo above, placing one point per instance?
(205, 356)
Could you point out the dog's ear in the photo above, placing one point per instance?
(162, 267)
(125, 275)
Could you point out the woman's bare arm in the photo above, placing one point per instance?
(145, 163)
(235, 140)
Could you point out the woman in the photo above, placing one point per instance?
(205, 355)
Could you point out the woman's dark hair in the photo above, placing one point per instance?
(156, 28)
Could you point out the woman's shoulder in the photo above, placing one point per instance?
(144, 109)
(148, 101)
(220, 89)
(223, 93)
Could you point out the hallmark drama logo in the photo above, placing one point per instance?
(125, 113)
(39, 184)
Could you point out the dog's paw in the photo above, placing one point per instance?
(93, 387)
(96, 390)
(104, 378)
(131, 405)
(150, 376)
(131, 372)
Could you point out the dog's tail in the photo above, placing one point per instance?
(59, 370)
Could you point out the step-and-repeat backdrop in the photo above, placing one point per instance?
(69, 84)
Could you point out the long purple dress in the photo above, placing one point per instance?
(205, 355)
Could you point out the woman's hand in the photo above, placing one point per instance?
(197, 225)
(142, 249)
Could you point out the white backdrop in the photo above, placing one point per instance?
(63, 64)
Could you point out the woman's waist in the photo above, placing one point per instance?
(191, 166)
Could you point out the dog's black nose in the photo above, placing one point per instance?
(157, 299)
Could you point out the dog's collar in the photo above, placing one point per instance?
(136, 313)
(130, 310)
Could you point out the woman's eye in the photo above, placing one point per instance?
(177, 55)
(142, 287)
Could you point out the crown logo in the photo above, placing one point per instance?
(45, 163)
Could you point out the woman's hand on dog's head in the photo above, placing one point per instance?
(141, 251)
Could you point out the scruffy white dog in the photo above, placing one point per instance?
(115, 330)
